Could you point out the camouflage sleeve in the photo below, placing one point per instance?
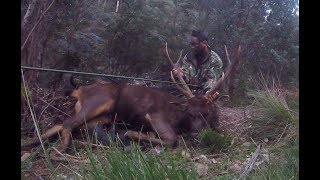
(185, 67)
(214, 71)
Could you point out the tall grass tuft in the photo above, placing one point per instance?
(278, 120)
(273, 117)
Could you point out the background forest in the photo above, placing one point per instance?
(97, 36)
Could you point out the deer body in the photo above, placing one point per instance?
(142, 108)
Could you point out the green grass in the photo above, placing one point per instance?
(273, 103)
(285, 165)
(115, 163)
(118, 163)
(25, 164)
(215, 142)
(276, 118)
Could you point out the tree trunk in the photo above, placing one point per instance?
(233, 73)
(241, 23)
(34, 29)
(27, 18)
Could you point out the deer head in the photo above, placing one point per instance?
(200, 107)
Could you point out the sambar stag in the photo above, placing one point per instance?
(143, 108)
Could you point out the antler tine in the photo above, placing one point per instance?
(186, 89)
(216, 86)
(171, 62)
(220, 81)
(227, 54)
(178, 62)
(185, 92)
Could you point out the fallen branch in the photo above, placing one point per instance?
(250, 164)
(67, 157)
(214, 155)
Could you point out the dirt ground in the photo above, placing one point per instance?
(233, 120)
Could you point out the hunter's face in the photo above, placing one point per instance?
(196, 45)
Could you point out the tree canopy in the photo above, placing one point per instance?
(127, 37)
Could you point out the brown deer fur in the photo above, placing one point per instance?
(143, 108)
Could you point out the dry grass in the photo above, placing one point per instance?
(273, 116)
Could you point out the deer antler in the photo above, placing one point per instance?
(185, 90)
(178, 62)
(210, 95)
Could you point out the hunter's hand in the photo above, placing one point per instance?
(177, 71)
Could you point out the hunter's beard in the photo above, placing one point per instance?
(199, 54)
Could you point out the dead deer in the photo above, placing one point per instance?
(143, 108)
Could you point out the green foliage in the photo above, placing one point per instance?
(214, 141)
(142, 29)
(131, 41)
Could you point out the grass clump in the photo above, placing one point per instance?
(116, 163)
(213, 140)
(276, 118)
(273, 117)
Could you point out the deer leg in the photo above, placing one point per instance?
(162, 129)
(49, 133)
(96, 125)
(139, 136)
(97, 122)
(101, 120)
(101, 134)
(166, 134)
(86, 113)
